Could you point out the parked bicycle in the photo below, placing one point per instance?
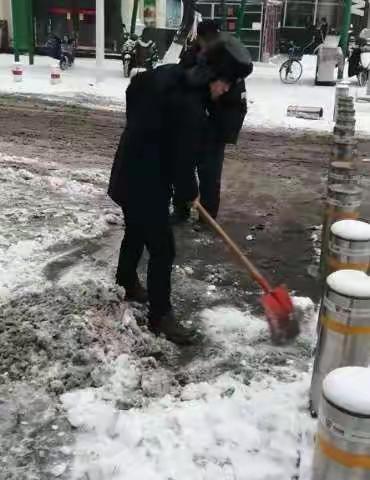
(291, 70)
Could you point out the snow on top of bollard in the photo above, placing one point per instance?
(349, 388)
(351, 230)
(352, 283)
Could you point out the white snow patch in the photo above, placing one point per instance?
(219, 323)
(78, 83)
(37, 212)
(221, 431)
(349, 388)
(355, 230)
(352, 283)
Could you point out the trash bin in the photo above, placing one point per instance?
(329, 57)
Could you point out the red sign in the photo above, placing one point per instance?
(66, 11)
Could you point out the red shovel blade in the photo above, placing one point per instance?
(279, 311)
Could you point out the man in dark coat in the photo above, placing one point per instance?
(226, 117)
(166, 110)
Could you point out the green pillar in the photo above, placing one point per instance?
(345, 26)
(240, 20)
(23, 28)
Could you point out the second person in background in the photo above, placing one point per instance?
(225, 118)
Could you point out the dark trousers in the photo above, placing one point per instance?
(209, 169)
(210, 173)
(159, 241)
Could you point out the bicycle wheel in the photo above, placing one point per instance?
(291, 71)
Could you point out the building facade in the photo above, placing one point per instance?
(78, 17)
(266, 23)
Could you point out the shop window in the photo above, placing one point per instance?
(205, 9)
(299, 14)
(230, 11)
(332, 12)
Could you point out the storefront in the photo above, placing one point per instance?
(300, 15)
(251, 29)
(77, 17)
(270, 23)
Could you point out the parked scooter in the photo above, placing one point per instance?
(63, 50)
(128, 54)
(139, 54)
(68, 53)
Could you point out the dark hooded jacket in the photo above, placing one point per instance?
(227, 115)
(166, 113)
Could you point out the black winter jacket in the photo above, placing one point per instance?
(166, 112)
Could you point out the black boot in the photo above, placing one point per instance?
(172, 329)
(136, 294)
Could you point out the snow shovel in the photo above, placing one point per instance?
(277, 303)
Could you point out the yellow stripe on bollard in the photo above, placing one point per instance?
(342, 215)
(335, 265)
(343, 329)
(349, 460)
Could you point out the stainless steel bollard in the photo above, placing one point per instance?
(345, 126)
(343, 202)
(341, 91)
(349, 246)
(344, 150)
(343, 173)
(344, 327)
(342, 443)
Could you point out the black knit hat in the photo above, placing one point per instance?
(208, 28)
(229, 59)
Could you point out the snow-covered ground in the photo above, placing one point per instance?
(235, 410)
(268, 97)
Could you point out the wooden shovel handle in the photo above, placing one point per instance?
(247, 264)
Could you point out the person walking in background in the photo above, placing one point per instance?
(166, 112)
(225, 119)
(324, 28)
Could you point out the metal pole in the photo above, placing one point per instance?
(344, 328)
(134, 17)
(342, 442)
(223, 15)
(100, 40)
(15, 15)
(31, 38)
